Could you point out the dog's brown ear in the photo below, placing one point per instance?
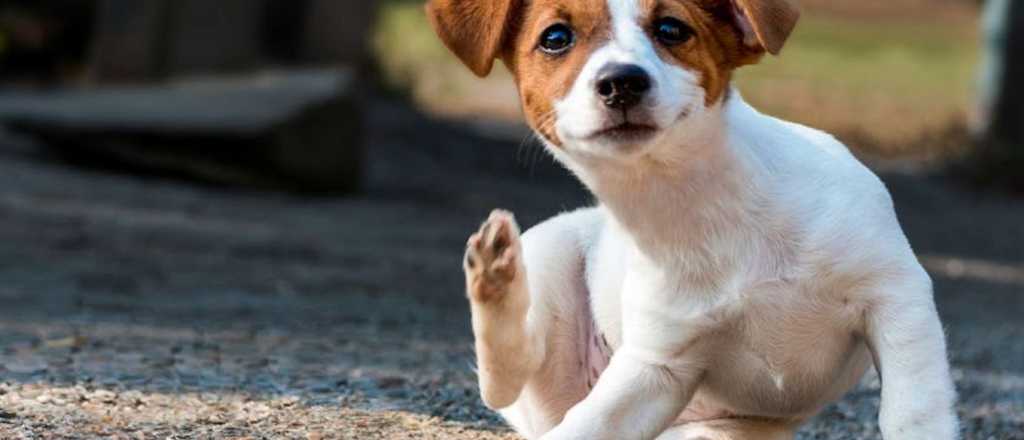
(766, 24)
(474, 30)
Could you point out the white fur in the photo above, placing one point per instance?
(743, 270)
(675, 90)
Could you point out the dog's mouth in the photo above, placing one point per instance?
(625, 132)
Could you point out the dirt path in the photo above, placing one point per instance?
(148, 308)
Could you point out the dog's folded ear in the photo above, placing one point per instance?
(475, 30)
(766, 24)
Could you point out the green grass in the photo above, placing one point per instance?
(885, 83)
(415, 63)
(892, 82)
(406, 45)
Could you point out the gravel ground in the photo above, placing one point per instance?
(139, 307)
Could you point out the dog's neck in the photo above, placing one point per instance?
(695, 188)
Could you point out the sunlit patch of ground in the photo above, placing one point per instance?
(85, 411)
(890, 85)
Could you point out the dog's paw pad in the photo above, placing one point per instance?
(492, 258)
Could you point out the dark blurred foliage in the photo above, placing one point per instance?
(282, 29)
(42, 41)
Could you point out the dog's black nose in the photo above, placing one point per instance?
(622, 86)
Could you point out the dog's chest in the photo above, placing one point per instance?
(606, 273)
(791, 341)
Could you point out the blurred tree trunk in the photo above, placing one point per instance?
(1007, 118)
(1001, 130)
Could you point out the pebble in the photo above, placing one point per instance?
(104, 396)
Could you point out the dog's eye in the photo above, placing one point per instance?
(671, 32)
(556, 39)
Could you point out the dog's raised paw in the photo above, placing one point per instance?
(492, 258)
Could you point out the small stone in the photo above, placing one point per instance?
(215, 419)
(104, 396)
(389, 382)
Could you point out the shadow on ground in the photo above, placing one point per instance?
(165, 309)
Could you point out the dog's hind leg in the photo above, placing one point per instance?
(531, 318)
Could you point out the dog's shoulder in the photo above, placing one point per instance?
(784, 146)
(818, 140)
(801, 160)
(836, 201)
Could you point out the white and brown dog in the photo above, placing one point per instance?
(740, 273)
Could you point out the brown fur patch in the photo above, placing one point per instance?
(542, 78)
(475, 31)
(717, 48)
(772, 21)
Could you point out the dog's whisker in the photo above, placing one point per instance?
(533, 144)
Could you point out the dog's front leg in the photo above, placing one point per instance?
(508, 352)
(906, 337)
(656, 371)
(635, 399)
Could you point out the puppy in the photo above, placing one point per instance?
(740, 273)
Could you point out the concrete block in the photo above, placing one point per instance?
(297, 130)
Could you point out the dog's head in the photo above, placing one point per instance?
(609, 78)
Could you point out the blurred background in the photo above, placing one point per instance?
(245, 218)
